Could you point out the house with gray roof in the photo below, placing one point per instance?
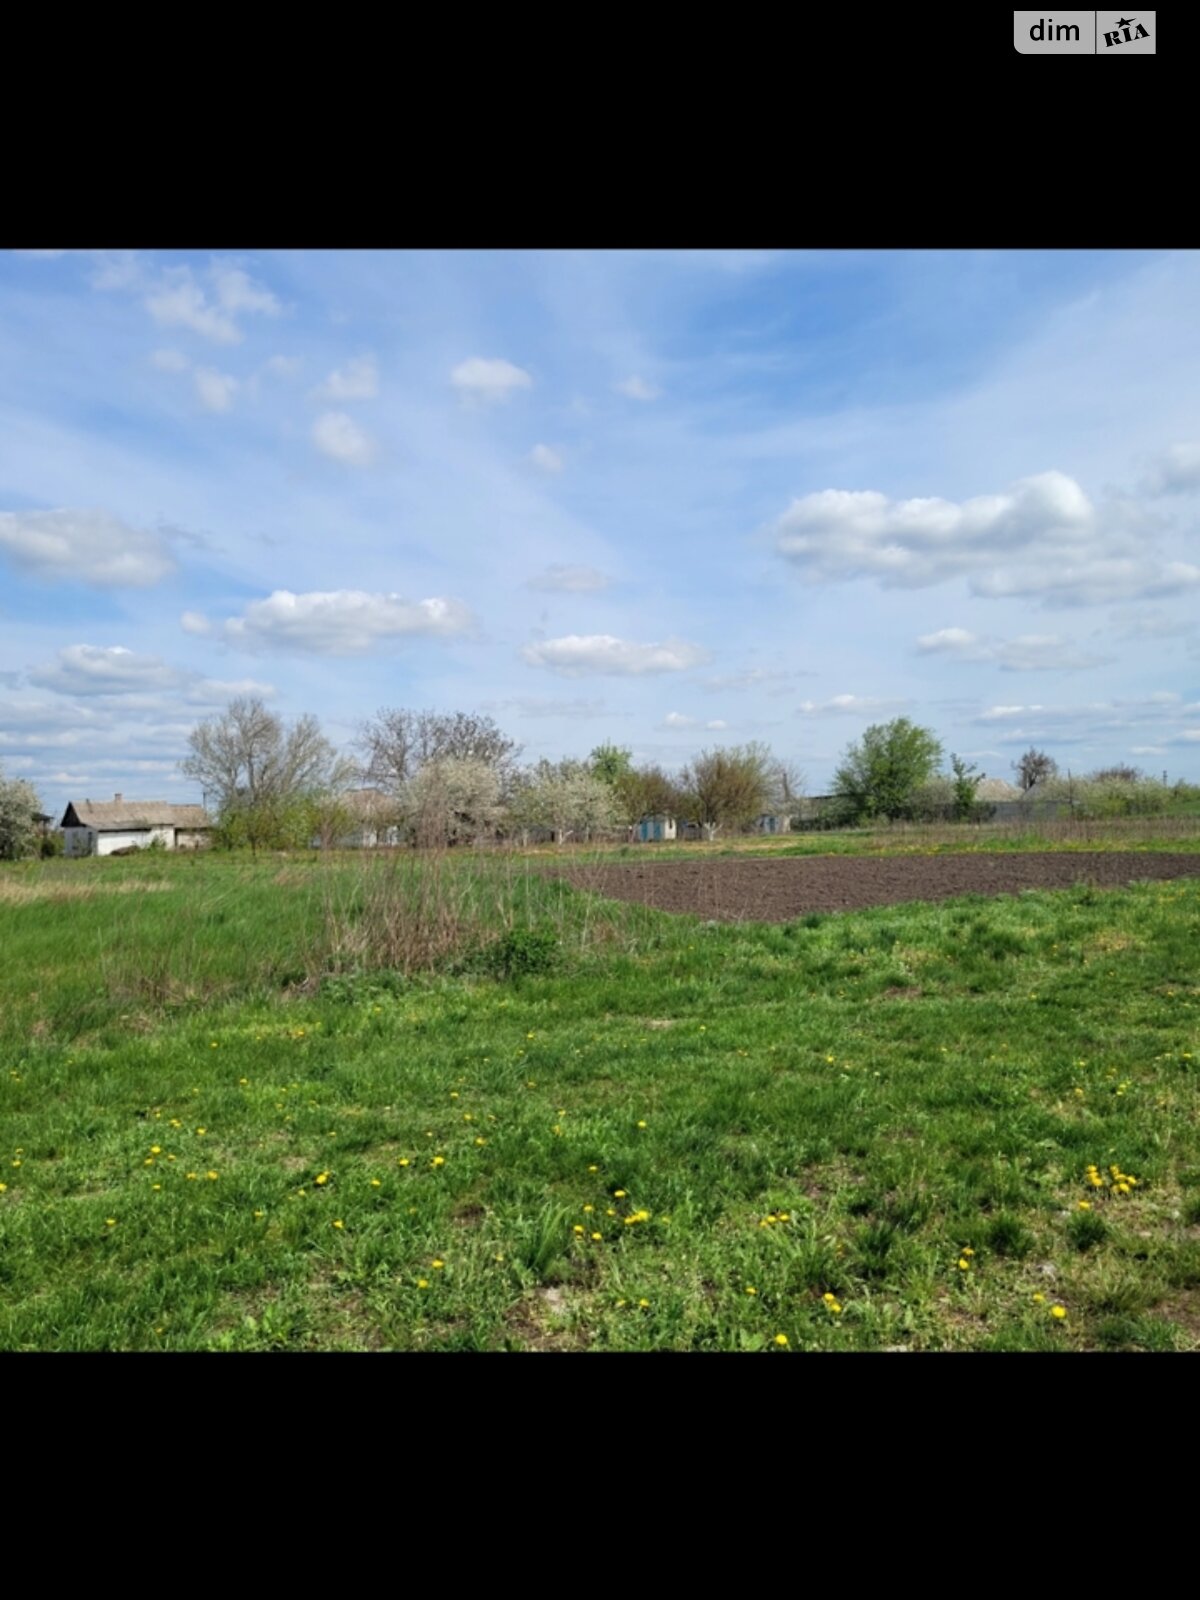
(102, 827)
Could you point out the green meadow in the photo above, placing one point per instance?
(453, 1104)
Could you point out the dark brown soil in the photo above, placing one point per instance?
(792, 886)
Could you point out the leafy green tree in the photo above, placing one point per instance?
(881, 773)
(967, 779)
(646, 791)
(611, 762)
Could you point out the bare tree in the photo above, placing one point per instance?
(786, 785)
(397, 743)
(255, 771)
(1035, 766)
(726, 788)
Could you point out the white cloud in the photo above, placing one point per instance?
(342, 622)
(40, 255)
(87, 669)
(1041, 539)
(84, 547)
(1148, 622)
(838, 534)
(562, 579)
(214, 691)
(1090, 582)
(847, 705)
(770, 680)
(282, 366)
(545, 459)
(539, 706)
(637, 389)
(215, 389)
(339, 437)
(169, 361)
(178, 301)
(1175, 471)
(195, 622)
(489, 381)
(357, 380)
(1030, 652)
(237, 291)
(576, 656)
(677, 719)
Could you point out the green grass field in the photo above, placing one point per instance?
(228, 1125)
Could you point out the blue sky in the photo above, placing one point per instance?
(674, 499)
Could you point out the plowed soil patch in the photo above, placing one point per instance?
(779, 890)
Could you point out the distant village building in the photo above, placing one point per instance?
(102, 827)
(773, 822)
(372, 819)
(655, 829)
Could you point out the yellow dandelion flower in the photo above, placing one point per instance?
(156, 1186)
(750, 1289)
(967, 1251)
(3, 1187)
(437, 1264)
(376, 1183)
(578, 1228)
(438, 1161)
(454, 1094)
(402, 1161)
(641, 1124)
(202, 1131)
(155, 1150)
(1085, 1205)
(422, 1283)
(597, 1237)
(782, 1340)
(645, 1304)
(110, 1222)
(611, 1211)
(963, 1264)
(1038, 1298)
(339, 1223)
(593, 1169)
(191, 1175)
(618, 1194)
(212, 1175)
(260, 1214)
(1058, 1311)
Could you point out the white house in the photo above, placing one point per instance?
(101, 827)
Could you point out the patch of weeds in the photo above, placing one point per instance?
(1086, 1230)
(1007, 1236)
(523, 952)
(1123, 1332)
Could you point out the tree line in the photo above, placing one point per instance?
(456, 777)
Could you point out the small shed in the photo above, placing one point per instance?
(773, 822)
(656, 828)
(102, 827)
